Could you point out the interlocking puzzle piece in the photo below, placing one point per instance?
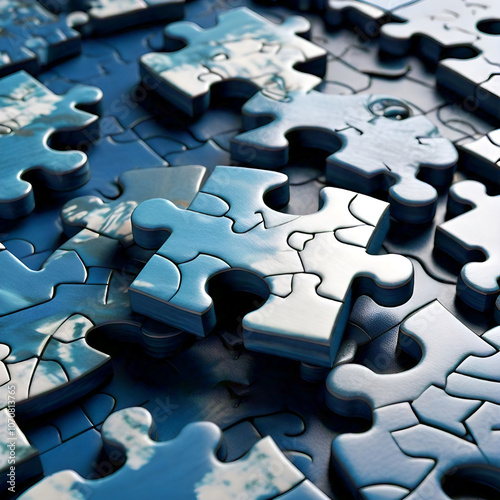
(29, 115)
(453, 27)
(32, 38)
(305, 266)
(382, 146)
(264, 473)
(22, 288)
(468, 237)
(113, 218)
(427, 421)
(244, 52)
(483, 156)
(105, 16)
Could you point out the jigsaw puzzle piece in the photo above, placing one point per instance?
(105, 16)
(32, 37)
(452, 29)
(360, 124)
(482, 156)
(127, 432)
(113, 218)
(23, 288)
(244, 52)
(30, 114)
(466, 237)
(477, 79)
(252, 242)
(422, 416)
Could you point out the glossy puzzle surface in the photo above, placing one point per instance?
(249, 249)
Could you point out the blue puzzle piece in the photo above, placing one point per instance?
(422, 417)
(465, 235)
(23, 288)
(361, 124)
(105, 16)
(263, 473)
(289, 252)
(244, 52)
(113, 218)
(31, 37)
(29, 115)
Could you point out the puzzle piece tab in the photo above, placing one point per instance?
(305, 266)
(244, 52)
(467, 236)
(31, 37)
(264, 473)
(436, 417)
(29, 115)
(383, 147)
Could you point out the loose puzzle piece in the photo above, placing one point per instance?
(32, 38)
(439, 416)
(456, 28)
(383, 147)
(459, 28)
(105, 16)
(244, 52)
(470, 236)
(305, 266)
(29, 115)
(264, 473)
(482, 156)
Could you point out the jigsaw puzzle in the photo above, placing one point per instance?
(29, 115)
(437, 417)
(244, 52)
(297, 260)
(360, 124)
(305, 261)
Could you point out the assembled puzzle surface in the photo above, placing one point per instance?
(249, 250)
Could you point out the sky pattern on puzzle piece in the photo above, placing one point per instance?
(113, 218)
(233, 228)
(361, 124)
(105, 16)
(434, 417)
(264, 473)
(32, 38)
(30, 114)
(244, 50)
